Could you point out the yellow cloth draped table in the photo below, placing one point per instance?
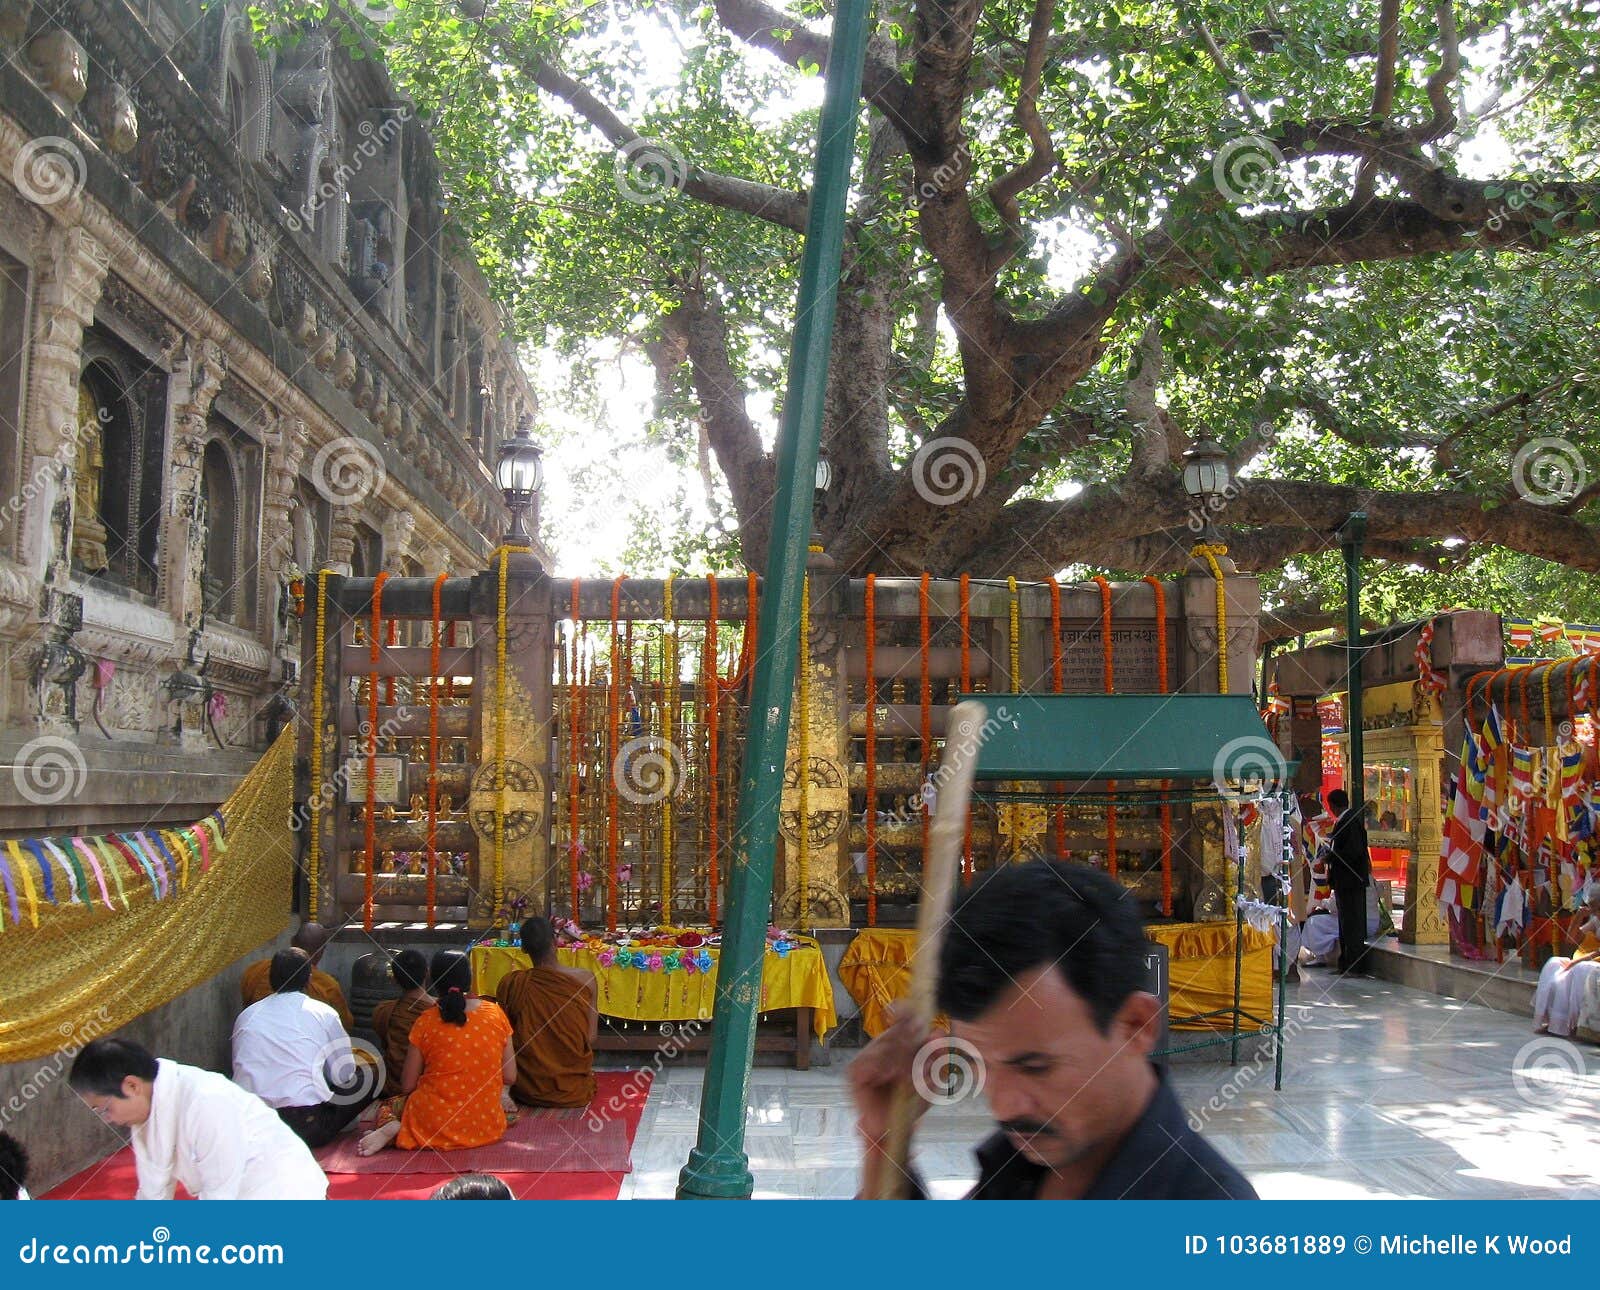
(876, 970)
(1200, 972)
(88, 971)
(798, 979)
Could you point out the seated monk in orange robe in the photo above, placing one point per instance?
(255, 985)
(393, 1018)
(554, 1021)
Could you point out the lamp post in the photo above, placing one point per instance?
(1206, 479)
(520, 472)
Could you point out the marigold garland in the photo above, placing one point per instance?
(1209, 551)
(574, 749)
(712, 671)
(966, 688)
(1162, 683)
(924, 635)
(613, 736)
(803, 751)
(1108, 675)
(370, 821)
(433, 751)
(872, 752)
(319, 670)
(1056, 685)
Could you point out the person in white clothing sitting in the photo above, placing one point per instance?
(293, 1053)
(194, 1127)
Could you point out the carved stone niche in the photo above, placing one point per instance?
(112, 113)
(61, 67)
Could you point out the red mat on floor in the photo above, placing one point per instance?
(535, 1144)
(114, 1177)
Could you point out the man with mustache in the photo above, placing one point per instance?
(1042, 974)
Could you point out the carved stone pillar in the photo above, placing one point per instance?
(1198, 592)
(285, 444)
(398, 531)
(342, 542)
(69, 271)
(195, 382)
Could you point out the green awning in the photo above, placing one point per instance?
(1091, 737)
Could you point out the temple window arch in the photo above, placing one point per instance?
(111, 538)
(244, 93)
(219, 495)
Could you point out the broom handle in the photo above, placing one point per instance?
(946, 834)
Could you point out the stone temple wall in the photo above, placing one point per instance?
(233, 347)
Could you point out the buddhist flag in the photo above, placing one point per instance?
(1462, 848)
(1520, 631)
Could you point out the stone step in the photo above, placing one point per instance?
(1505, 986)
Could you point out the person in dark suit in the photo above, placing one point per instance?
(1350, 869)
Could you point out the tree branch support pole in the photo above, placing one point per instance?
(718, 1167)
(1351, 536)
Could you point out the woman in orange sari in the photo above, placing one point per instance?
(458, 1065)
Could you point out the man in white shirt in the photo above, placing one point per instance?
(194, 1127)
(293, 1053)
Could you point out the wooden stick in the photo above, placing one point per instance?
(946, 834)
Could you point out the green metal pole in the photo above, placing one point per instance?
(1351, 536)
(718, 1167)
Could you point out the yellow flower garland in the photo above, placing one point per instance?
(1209, 551)
(669, 681)
(803, 754)
(314, 816)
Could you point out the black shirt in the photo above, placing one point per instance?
(1351, 862)
(1162, 1158)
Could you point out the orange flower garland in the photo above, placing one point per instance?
(923, 636)
(1166, 806)
(613, 734)
(966, 688)
(574, 749)
(433, 754)
(370, 821)
(712, 672)
(1056, 681)
(872, 755)
(1109, 676)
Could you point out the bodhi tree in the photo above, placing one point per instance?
(1353, 244)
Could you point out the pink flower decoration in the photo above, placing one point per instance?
(625, 873)
(585, 880)
(655, 962)
(606, 958)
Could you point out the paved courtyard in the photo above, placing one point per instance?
(1388, 1092)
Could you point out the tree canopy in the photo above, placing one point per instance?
(1355, 245)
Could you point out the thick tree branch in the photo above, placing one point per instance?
(1041, 159)
(765, 27)
(775, 205)
(697, 330)
(1441, 82)
(1382, 90)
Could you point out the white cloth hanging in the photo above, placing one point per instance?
(1511, 911)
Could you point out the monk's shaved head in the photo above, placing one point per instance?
(311, 937)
